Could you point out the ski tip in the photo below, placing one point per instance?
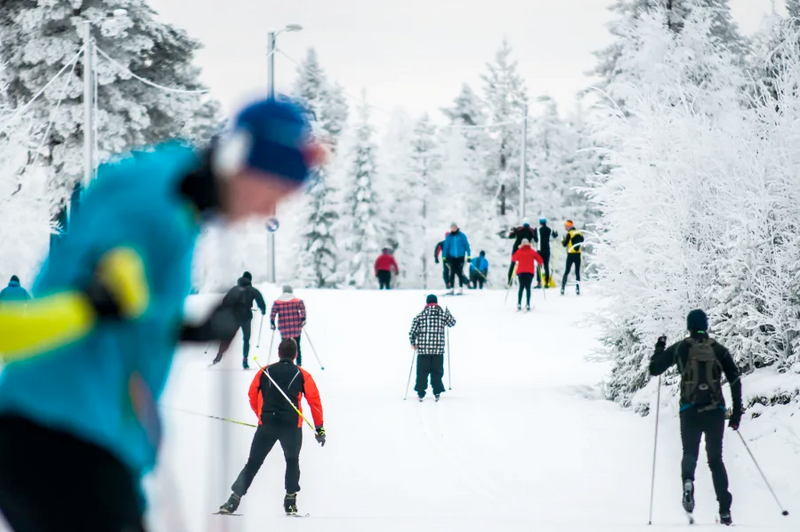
(227, 514)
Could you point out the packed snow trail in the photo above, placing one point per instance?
(524, 441)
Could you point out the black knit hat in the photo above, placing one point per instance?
(697, 321)
(248, 276)
(432, 299)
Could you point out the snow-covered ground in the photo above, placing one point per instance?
(524, 441)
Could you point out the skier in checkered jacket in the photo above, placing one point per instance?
(291, 314)
(427, 338)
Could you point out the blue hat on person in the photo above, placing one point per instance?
(431, 299)
(543, 220)
(270, 136)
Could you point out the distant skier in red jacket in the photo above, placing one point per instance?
(526, 258)
(384, 265)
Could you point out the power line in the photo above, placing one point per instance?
(25, 107)
(147, 81)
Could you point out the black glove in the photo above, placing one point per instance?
(320, 435)
(736, 418)
(220, 325)
(661, 344)
(555, 234)
(436, 260)
(272, 326)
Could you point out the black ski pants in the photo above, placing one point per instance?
(477, 279)
(385, 279)
(711, 423)
(267, 435)
(446, 274)
(572, 259)
(299, 359)
(456, 265)
(432, 365)
(247, 327)
(525, 281)
(545, 253)
(51, 480)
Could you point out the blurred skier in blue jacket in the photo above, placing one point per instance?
(478, 270)
(14, 291)
(456, 247)
(89, 358)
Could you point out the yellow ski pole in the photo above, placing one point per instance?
(299, 413)
(212, 417)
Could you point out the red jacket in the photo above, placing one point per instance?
(526, 257)
(385, 263)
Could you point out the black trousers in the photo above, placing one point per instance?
(511, 273)
(432, 365)
(299, 359)
(525, 281)
(572, 258)
(247, 327)
(545, 253)
(477, 279)
(446, 274)
(385, 279)
(711, 423)
(267, 435)
(50, 480)
(456, 270)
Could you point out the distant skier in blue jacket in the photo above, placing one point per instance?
(456, 248)
(478, 270)
(14, 291)
(89, 358)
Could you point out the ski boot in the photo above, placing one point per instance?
(437, 396)
(461, 290)
(578, 289)
(420, 396)
(688, 496)
(725, 518)
(519, 307)
(245, 365)
(232, 505)
(217, 360)
(528, 308)
(290, 504)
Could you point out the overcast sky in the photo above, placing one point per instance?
(409, 54)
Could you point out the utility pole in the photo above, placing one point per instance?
(522, 163)
(88, 103)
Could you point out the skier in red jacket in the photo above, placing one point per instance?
(384, 265)
(526, 258)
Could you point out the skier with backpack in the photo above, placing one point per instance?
(240, 299)
(275, 395)
(573, 241)
(701, 362)
(428, 340)
(291, 314)
(525, 258)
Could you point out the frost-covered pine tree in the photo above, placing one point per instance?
(319, 254)
(40, 38)
(361, 228)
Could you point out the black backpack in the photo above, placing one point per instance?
(701, 376)
(238, 298)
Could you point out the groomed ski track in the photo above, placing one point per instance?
(523, 442)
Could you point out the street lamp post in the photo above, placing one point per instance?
(271, 94)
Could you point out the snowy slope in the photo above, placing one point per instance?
(523, 441)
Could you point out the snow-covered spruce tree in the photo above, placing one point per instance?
(417, 206)
(317, 265)
(39, 38)
(661, 212)
(361, 227)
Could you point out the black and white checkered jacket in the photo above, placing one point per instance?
(427, 330)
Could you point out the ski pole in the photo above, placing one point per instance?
(449, 371)
(275, 384)
(544, 281)
(655, 448)
(260, 328)
(783, 512)
(271, 341)
(313, 350)
(410, 370)
(212, 417)
(207, 348)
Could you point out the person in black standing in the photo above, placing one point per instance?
(544, 234)
(241, 298)
(525, 232)
(701, 362)
(438, 250)
(279, 420)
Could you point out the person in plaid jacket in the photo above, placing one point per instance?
(427, 338)
(291, 314)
